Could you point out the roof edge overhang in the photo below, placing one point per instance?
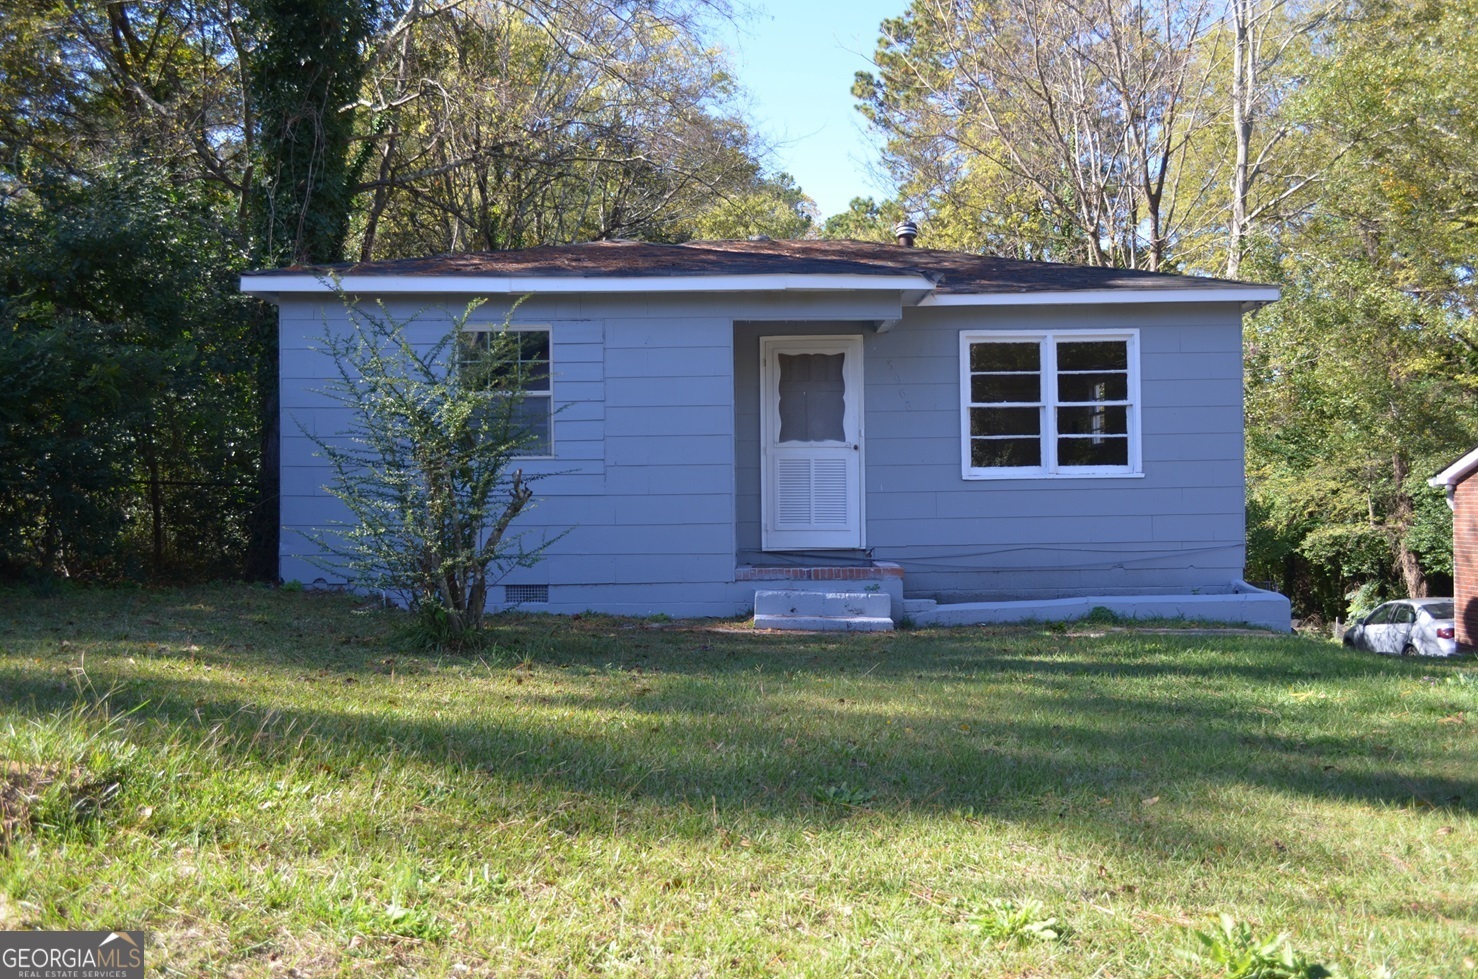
(1248, 297)
(915, 290)
(1456, 472)
(279, 284)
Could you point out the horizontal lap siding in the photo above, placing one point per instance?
(657, 429)
(1178, 527)
(669, 454)
(568, 487)
(640, 492)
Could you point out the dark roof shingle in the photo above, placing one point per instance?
(951, 272)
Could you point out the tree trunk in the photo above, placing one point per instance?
(1243, 80)
(156, 507)
(1403, 512)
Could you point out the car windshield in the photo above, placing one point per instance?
(1441, 610)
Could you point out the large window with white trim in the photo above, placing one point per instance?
(516, 359)
(1049, 403)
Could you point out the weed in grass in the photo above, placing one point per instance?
(845, 795)
(1102, 615)
(68, 771)
(1019, 921)
(1240, 954)
(370, 917)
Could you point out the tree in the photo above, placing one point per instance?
(1361, 383)
(865, 220)
(131, 380)
(1266, 36)
(305, 74)
(427, 467)
(506, 127)
(1046, 130)
(770, 206)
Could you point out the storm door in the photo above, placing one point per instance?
(811, 442)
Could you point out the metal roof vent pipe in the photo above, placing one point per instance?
(905, 232)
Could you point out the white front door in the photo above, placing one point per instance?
(811, 442)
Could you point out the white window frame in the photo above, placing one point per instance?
(547, 395)
(1049, 469)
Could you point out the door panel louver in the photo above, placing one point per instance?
(811, 493)
(829, 493)
(793, 492)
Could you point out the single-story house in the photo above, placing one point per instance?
(953, 437)
(1462, 495)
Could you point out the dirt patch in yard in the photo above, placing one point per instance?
(21, 785)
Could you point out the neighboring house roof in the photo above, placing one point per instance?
(925, 276)
(1457, 472)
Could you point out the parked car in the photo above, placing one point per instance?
(1410, 627)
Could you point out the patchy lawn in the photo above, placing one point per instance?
(267, 783)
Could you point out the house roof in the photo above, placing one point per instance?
(926, 276)
(1457, 472)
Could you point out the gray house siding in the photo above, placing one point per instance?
(1179, 527)
(655, 480)
(642, 482)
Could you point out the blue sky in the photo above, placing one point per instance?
(796, 58)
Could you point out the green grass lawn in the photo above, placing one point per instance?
(267, 782)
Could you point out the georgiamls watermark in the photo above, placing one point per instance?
(72, 955)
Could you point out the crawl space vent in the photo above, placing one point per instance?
(526, 594)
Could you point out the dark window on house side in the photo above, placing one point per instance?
(523, 365)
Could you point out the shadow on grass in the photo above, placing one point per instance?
(1036, 727)
(733, 753)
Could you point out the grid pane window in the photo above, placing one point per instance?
(1006, 405)
(523, 365)
(1049, 404)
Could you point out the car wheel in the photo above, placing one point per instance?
(1408, 650)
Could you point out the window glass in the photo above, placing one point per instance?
(813, 397)
(1055, 404)
(1381, 616)
(1006, 356)
(1093, 452)
(521, 365)
(1005, 421)
(1005, 453)
(1092, 355)
(994, 388)
(1403, 615)
(1441, 610)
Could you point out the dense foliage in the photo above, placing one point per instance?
(130, 394)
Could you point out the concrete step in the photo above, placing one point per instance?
(815, 610)
(913, 606)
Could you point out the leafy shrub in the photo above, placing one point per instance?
(426, 467)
